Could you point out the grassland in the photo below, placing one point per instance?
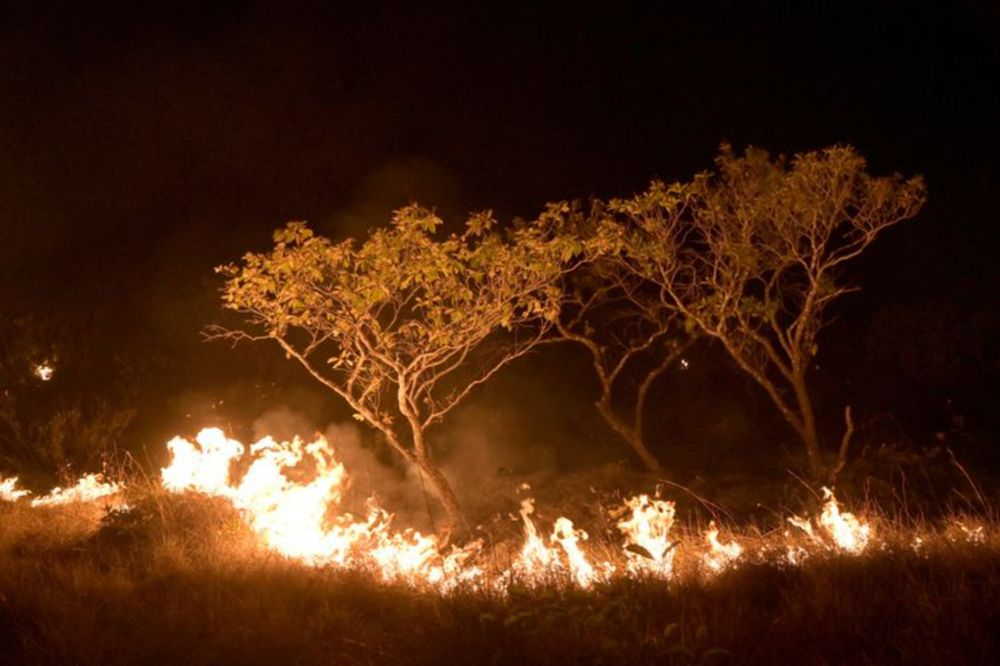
(180, 579)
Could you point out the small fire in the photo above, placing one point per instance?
(720, 555)
(647, 535)
(569, 538)
(536, 557)
(89, 488)
(9, 491)
(44, 371)
(840, 530)
(538, 562)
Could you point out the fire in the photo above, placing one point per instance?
(720, 555)
(300, 519)
(536, 557)
(647, 535)
(840, 530)
(204, 468)
(568, 537)
(9, 491)
(89, 488)
(44, 371)
(539, 562)
(290, 495)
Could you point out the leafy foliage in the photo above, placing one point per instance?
(752, 256)
(405, 324)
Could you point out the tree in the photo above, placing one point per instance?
(617, 315)
(753, 255)
(404, 326)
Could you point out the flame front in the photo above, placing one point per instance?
(301, 520)
(290, 495)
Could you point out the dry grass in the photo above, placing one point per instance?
(181, 580)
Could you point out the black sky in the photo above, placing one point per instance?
(143, 143)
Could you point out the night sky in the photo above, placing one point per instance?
(141, 144)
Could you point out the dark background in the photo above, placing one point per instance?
(142, 144)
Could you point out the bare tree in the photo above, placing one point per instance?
(752, 256)
(405, 325)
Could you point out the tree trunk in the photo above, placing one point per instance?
(631, 436)
(443, 492)
(810, 437)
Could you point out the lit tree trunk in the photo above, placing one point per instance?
(442, 491)
(422, 459)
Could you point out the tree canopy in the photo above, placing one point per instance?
(404, 325)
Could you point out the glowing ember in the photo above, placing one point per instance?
(89, 488)
(975, 534)
(9, 491)
(44, 371)
(647, 535)
(720, 556)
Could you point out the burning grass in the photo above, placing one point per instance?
(198, 568)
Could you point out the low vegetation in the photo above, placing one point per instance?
(180, 578)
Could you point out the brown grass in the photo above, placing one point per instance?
(181, 580)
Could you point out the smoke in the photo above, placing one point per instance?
(478, 450)
(393, 185)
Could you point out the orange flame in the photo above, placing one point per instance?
(840, 530)
(300, 520)
(9, 491)
(720, 555)
(89, 488)
(647, 535)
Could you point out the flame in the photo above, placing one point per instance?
(538, 562)
(841, 530)
(44, 371)
(720, 555)
(204, 468)
(9, 491)
(568, 537)
(300, 519)
(647, 535)
(536, 557)
(290, 494)
(89, 488)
